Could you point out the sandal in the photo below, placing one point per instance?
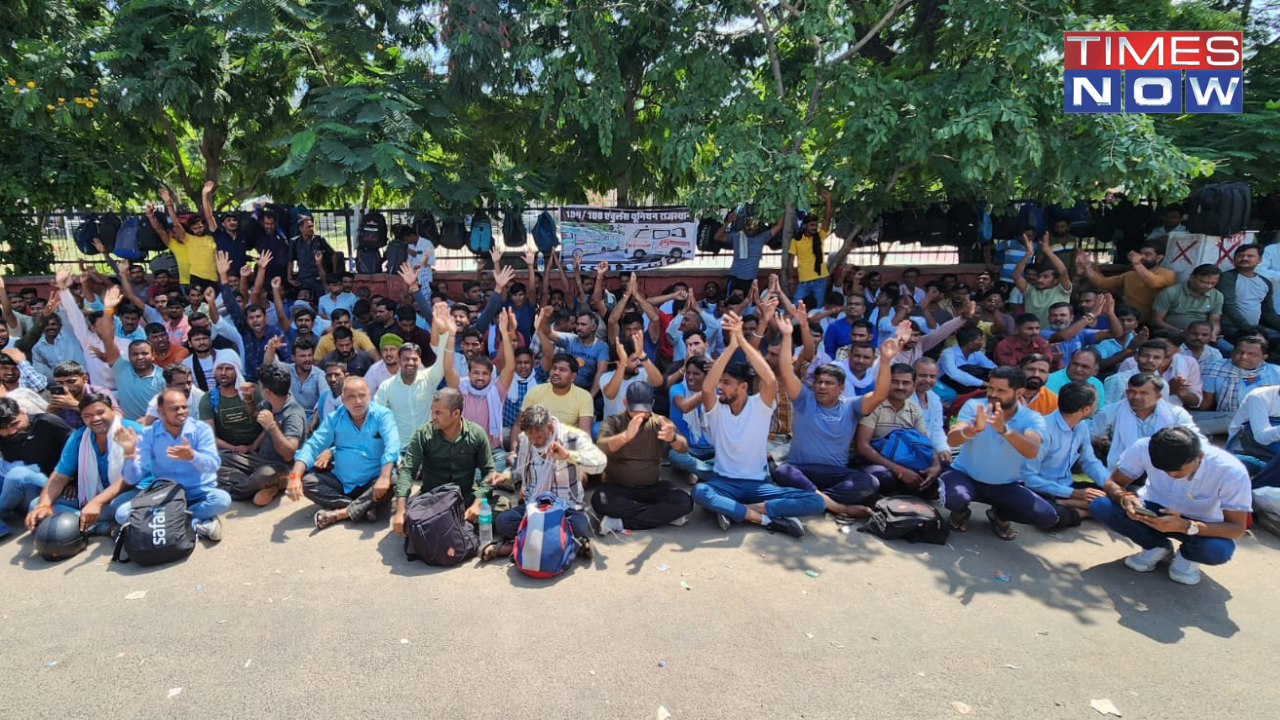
(584, 550)
(960, 520)
(495, 550)
(325, 518)
(1002, 528)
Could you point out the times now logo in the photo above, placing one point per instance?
(1155, 72)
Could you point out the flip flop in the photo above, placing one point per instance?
(1002, 528)
(325, 518)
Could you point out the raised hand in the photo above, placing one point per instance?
(623, 357)
(531, 257)
(149, 210)
(210, 295)
(127, 438)
(277, 285)
(903, 333)
(441, 321)
(800, 313)
(246, 271)
(181, 452)
(407, 274)
(889, 349)
(208, 186)
(980, 419)
(495, 253)
(996, 417)
(223, 260)
(163, 192)
(784, 325)
(503, 277)
(62, 278)
(731, 325)
(969, 309)
(111, 300)
(666, 430)
(602, 267)
(264, 258)
(51, 307)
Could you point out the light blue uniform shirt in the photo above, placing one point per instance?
(358, 453)
(1050, 472)
(989, 458)
(134, 392)
(198, 475)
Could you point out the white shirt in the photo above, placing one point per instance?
(1180, 365)
(741, 441)
(1208, 354)
(376, 375)
(933, 420)
(1220, 483)
(1258, 408)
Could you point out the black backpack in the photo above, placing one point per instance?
(159, 528)
(1219, 210)
(544, 233)
(86, 234)
(372, 234)
(453, 233)
(436, 532)
(425, 226)
(514, 234)
(908, 518)
(108, 227)
(707, 229)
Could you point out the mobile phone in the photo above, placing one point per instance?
(57, 390)
(1142, 510)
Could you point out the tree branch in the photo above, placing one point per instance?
(177, 154)
(853, 49)
(770, 37)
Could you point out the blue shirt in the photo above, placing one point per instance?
(345, 301)
(134, 393)
(837, 335)
(1067, 348)
(747, 252)
(953, 359)
(1050, 472)
(588, 356)
(358, 453)
(989, 458)
(234, 247)
(69, 463)
(1059, 378)
(677, 417)
(821, 435)
(138, 332)
(307, 392)
(152, 458)
(255, 348)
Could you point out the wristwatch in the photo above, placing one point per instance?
(1006, 431)
(1192, 528)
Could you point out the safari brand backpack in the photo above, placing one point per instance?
(159, 528)
(480, 241)
(127, 245)
(545, 546)
(436, 531)
(908, 518)
(544, 233)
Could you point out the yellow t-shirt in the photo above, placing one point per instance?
(180, 251)
(359, 340)
(202, 256)
(803, 250)
(577, 403)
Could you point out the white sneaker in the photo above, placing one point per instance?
(680, 521)
(1183, 571)
(210, 530)
(611, 525)
(1148, 560)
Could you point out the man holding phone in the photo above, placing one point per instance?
(1195, 493)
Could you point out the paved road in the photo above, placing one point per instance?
(280, 621)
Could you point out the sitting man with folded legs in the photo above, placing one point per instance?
(995, 437)
(90, 459)
(352, 454)
(1195, 493)
(258, 474)
(634, 495)
(1066, 441)
(739, 422)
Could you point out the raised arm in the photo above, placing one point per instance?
(1064, 277)
(106, 327)
(545, 337)
(768, 390)
(509, 335)
(1019, 270)
(787, 373)
(159, 229)
(179, 233)
(888, 351)
(825, 194)
(733, 334)
(206, 206)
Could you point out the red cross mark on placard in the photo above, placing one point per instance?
(1182, 252)
(1227, 246)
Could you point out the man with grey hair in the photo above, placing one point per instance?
(1143, 411)
(448, 450)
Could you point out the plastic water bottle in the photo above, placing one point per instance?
(486, 523)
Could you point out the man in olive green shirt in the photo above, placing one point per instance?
(634, 495)
(1196, 300)
(449, 449)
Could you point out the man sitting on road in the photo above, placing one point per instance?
(351, 454)
(634, 495)
(898, 414)
(997, 435)
(30, 446)
(1066, 442)
(1035, 396)
(1194, 493)
(1227, 381)
(258, 474)
(1143, 411)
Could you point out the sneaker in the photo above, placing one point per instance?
(611, 525)
(786, 525)
(210, 530)
(680, 521)
(1183, 571)
(1148, 560)
(723, 521)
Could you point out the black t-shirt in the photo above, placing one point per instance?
(41, 445)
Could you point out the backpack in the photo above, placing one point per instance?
(908, 518)
(545, 546)
(936, 225)
(148, 240)
(436, 532)
(425, 226)
(544, 233)
(1219, 210)
(906, 446)
(514, 234)
(1031, 215)
(480, 240)
(159, 528)
(127, 240)
(964, 224)
(86, 234)
(167, 262)
(453, 233)
(372, 234)
(108, 228)
(706, 235)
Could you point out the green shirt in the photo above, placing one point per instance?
(438, 461)
(237, 422)
(1037, 301)
(1181, 308)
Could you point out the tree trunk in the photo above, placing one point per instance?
(622, 189)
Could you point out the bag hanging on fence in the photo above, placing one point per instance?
(1219, 210)
(372, 234)
(514, 234)
(86, 234)
(127, 246)
(544, 233)
(425, 226)
(480, 239)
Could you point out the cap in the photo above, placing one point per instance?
(299, 306)
(390, 340)
(639, 397)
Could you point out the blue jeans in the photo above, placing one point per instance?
(814, 289)
(1205, 550)
(203, 503)
(843, 485)
(21, 485)
(730, 497)
(699, 461)
(109, 511)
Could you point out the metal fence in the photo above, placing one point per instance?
(338, 226)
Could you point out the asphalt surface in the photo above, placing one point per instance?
(281, 621)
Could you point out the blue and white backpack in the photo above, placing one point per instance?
(545, 546)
